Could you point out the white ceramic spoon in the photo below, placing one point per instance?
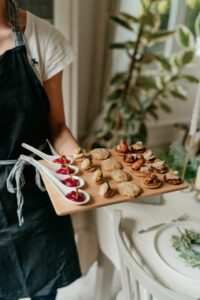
(60, 187)
(49, 158)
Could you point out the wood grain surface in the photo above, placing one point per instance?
(62, 207)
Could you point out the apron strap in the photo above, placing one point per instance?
(13, 15)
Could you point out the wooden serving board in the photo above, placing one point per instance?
(62, 207)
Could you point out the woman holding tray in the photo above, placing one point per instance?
(37, 249)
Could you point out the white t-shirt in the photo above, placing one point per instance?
(47, 49)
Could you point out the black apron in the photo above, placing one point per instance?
(39, 256)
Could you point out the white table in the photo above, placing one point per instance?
(137, 216)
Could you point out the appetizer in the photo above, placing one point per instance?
(139, 168)
(76, 196)
(138, 148)
(105, 190)
(100, 153)
(122, 147)
(61, 160)
(149, 156)
(129, 189)
(120, 176)
(87, 164)
(111, 164)
(71, 182)
(130, 158)
(65, 170)
(98, 176)
(173, 178)
(152, 181)
(79, 154)
(159, 166)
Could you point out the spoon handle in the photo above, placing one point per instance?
(36, 151)
(47, 173)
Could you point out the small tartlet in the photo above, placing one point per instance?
(173, 178)
(140, 169)
(87, 164)
(122, 148)
(105, 190)
(98, 176)
(138, 148)
(152, 181)
(159, 166)
(149, 156)
(130, 158)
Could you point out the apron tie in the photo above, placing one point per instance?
(17, 175)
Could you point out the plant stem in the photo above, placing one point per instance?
(132, 64)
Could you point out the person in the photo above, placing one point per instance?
(37, 248)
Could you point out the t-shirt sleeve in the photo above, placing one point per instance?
(58, 55)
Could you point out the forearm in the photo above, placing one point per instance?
(63, 141)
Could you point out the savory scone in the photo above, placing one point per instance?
(120, 176)
(129, 189)
(111, 164)
(100, 153)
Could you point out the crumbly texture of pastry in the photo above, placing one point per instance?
(111, 164)
(120, 176)
(129, 189)
(172, 178)
(100, 153)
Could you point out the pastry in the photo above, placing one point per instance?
(98, 176)
(87, 164)
(129, 189)
(159, 166)
(100, 153)
(130, 158)
(105, 190)
(152, 181)
(149, 156)
(173, 178)
(139, 168)
(122, 148)
(79, 154)
(120, 176)
(111, 164)
(138, 148)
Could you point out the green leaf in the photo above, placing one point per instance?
(164, 61)
(121, 22)
(115, 95)
(178, 94)
(190, 78)
(128, 17)
(147, 83)
(151, 20)
(185, 37)
(118, 78)
(197, 25)
(165, 107)
(187, 57)
(117, 46)
(160, 36)
(152, 111)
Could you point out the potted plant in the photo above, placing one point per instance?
(150, 79)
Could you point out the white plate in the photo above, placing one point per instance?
(168, 255)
